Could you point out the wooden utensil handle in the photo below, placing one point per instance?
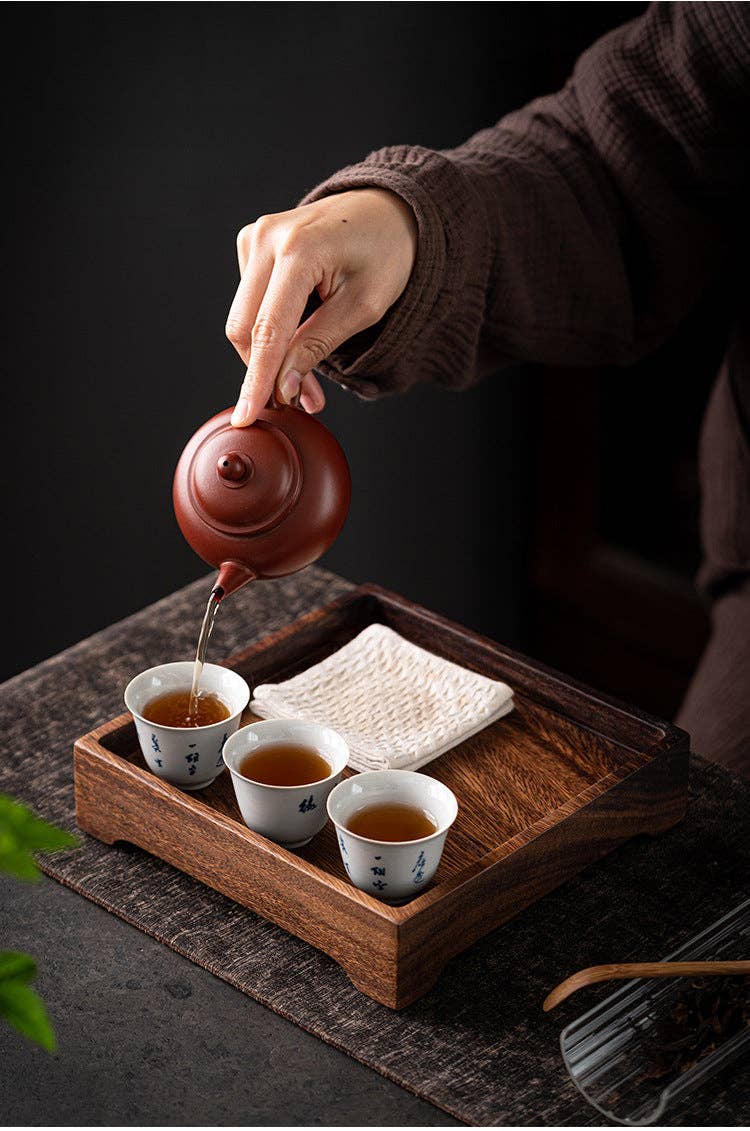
(627, 970)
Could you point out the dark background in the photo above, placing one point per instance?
(139, 139)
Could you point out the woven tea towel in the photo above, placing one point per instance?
(398, 706)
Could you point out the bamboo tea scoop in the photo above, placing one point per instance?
(629, 970)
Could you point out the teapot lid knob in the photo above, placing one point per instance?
(234, 468)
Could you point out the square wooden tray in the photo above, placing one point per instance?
(543, 792)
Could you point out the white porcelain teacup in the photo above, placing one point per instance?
(392, 871)
(288, 814)
(189, 757)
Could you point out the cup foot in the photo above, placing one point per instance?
(395, 900)
(200, 785)
(294, 844)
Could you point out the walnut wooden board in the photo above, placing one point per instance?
(543, 792)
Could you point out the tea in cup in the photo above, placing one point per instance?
(188, 756)
(283, 771)
(391, 827)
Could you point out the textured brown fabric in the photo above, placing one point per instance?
(716, 710)
(582, 230)
(725, 476)
(717, 705)
(478, 1045)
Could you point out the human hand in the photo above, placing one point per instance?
(356, 249)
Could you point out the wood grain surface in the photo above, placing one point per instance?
(548, 789)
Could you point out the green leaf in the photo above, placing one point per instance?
(17, 863)
(16, 965)
(24, 1010)
(21, 834)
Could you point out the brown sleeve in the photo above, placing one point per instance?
(580, 229)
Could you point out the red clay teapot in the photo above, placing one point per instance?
(262, 501)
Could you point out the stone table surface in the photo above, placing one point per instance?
(145, 1036)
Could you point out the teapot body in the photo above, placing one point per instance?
(262, 501)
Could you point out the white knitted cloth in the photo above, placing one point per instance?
(398, 706)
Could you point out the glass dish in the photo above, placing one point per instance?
(610, 1052)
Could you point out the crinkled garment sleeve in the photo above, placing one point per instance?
(579, 230)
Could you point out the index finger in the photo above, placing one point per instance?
(276, 322)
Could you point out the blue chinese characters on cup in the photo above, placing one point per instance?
(189, 757)
(291, 815)
(392, 871)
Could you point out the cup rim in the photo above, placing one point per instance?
(268, 785)
(442, 829)
(182, 730)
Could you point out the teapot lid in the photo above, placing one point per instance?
(243, 481)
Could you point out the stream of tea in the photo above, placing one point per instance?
(209, 617)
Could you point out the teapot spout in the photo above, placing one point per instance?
(232, 576)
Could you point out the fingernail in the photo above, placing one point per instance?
(312, 402)
(289, 385)
(241, 413)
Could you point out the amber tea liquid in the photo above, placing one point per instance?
(285, 763)
(392, 821)
(181, 709)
